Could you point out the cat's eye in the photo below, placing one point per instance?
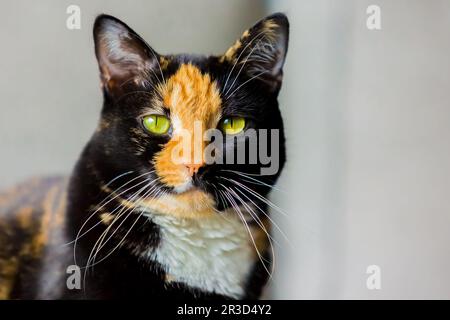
(156, 123)
(232, 125)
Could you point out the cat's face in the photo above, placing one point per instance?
(159, 108)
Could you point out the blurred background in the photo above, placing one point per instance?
(367, 116)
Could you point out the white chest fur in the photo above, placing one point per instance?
(213, 254)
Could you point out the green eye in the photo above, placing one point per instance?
(155, 123)
(232, 125)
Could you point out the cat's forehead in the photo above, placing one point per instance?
(191, 94)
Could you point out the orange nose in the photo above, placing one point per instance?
(194, 167)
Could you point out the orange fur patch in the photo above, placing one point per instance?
(163, 62)
(230, 55)
(191, 97)
(24, 217)
(190, 204)
(41, 238)
(268, 29)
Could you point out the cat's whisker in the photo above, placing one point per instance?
(241, 215)
(134, 80)
(159, 193)
(218, 194)
(252, 78)
(256, 181)
(78, 236)
(106, 185)
(263, 199)
(101, 206)
(138, 201)
(264, 213)
(113, 192)
(248, 208)
(155, 56)
(99, 240)
(307, 228)
(260, 60)
(135, 92)
(159, 80)
(119, 215)
(238, 211)
(244, 63)
(253, 215)
(118, 177)
(92, 257)
(147, 193)
(221, 197)
(239, 57)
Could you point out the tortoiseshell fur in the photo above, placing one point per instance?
(40, 218)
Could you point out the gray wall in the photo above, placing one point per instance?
(368, 177)
(367, 119)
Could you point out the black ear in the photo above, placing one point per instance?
(124, 58)
(261, 50)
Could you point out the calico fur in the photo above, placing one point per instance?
(167, 232)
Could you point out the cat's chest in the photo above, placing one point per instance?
(212, 254)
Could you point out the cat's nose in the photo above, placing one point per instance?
(194, 167)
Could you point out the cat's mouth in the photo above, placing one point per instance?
(184, 187)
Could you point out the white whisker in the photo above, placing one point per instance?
(101, 205)
(237, 59)
(238, 211)
(254, 77)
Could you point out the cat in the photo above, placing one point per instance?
(130, 222)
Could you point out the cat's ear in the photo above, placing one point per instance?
(261, 50)
(124, 58)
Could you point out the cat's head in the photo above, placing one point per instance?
(153, 102)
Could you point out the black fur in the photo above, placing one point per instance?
(113, 150)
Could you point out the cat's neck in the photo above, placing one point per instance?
(214, 253)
